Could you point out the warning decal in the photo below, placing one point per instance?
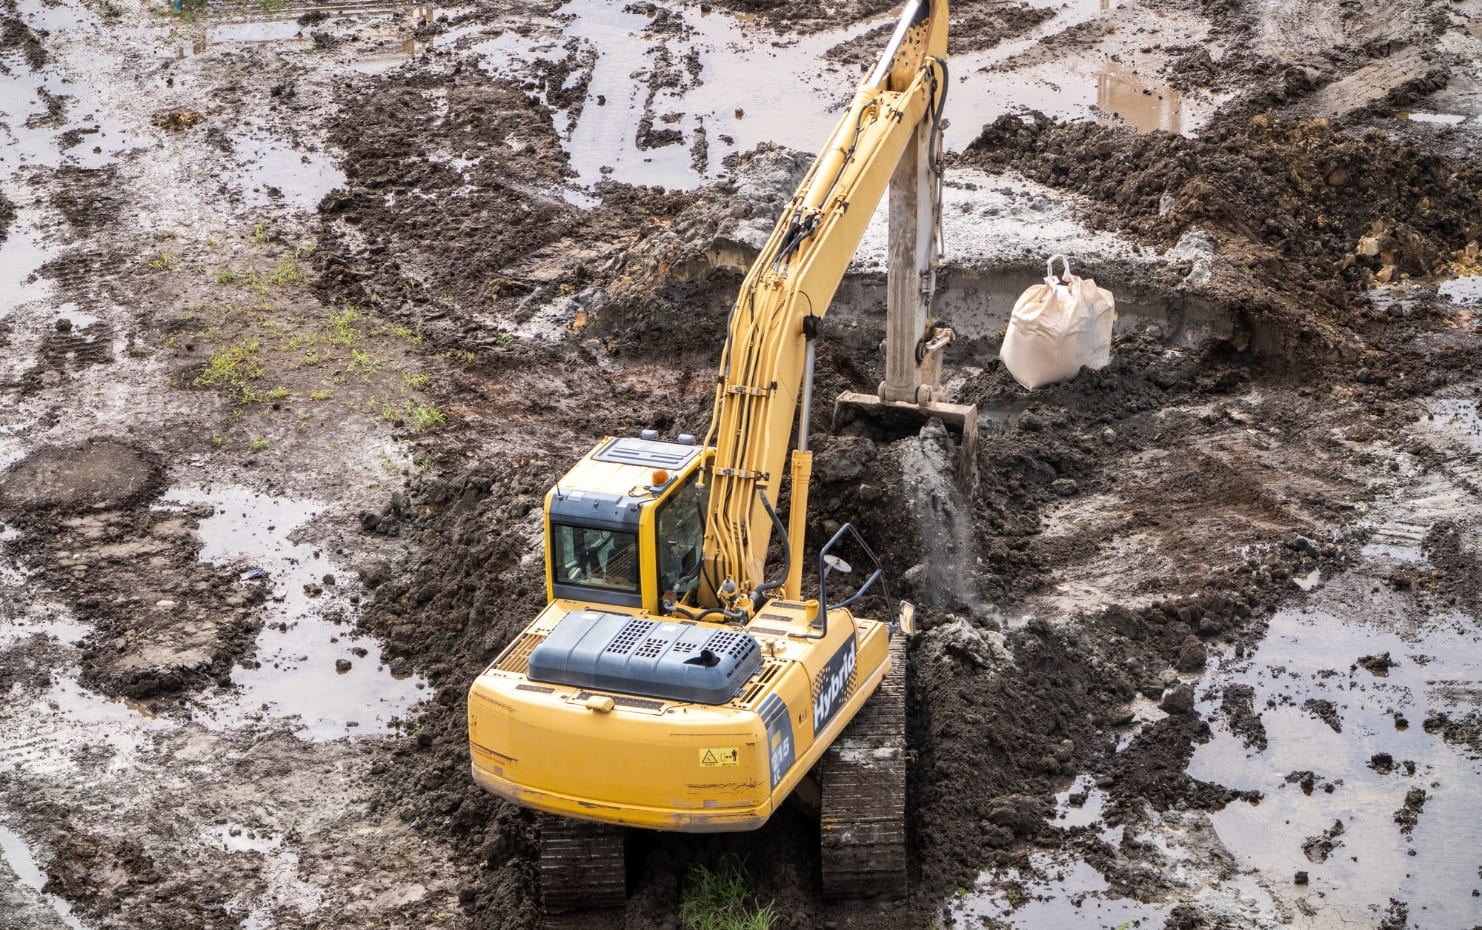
(711, 758)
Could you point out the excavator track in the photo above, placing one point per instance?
(863, 780)
(583, 879)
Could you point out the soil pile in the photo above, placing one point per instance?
(1305, 216)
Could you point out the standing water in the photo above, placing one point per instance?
(309, 662)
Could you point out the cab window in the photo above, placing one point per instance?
(680, 528)
(605, 559)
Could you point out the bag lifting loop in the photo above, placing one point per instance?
(1050, 270)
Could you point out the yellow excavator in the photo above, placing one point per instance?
(671, 683)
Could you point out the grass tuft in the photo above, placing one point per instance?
(720, 899)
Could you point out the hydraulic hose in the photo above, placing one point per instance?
(756, 596)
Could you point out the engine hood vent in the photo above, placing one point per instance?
(652, 658)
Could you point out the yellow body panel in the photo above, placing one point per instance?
(665, 765)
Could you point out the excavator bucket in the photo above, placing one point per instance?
(901, 417)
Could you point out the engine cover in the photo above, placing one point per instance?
(652, 658)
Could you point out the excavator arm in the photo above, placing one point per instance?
(787, 290)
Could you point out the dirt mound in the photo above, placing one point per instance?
(91, 475)
(428, 215)
(1305, 216)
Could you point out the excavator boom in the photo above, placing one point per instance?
(791, 284)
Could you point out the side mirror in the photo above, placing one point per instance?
(836, 564)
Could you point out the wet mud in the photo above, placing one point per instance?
(312, 304)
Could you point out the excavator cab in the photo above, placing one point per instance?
(626, 524)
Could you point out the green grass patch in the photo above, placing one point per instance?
(720, 899)
(235, 366)
(424, 416)
(288, 272)
(363, 364)
(342, 325)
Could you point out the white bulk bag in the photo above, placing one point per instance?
(1057, 327)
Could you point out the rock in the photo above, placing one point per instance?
(342, 665)
(64, 325)
(1178, 700)
(1192, 655)
(914, 578)
(1018, 812)
(844, 457)
(1191, 246)
(1382, 762)
(328, 580)
(960, 641)
(1300, 878)
(374, 573)
(1065, 487)
(1377, 664)
(1200, 273)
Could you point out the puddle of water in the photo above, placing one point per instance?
(1065, 894)
(1308, 581)
(1442, 119)
(1456, 419)
(299, 648)
(33, 136)
(54, 17)
(39, 620)
(277, 865)
(1106, 90)
(301, 178)
(734, 99)
(248, 32)
(1093, 804)
(80, 319)
(250, 24)
(1465, 291)
(412, 48)
(239, 838)
(22, 254)
(70, 720)
(18, 856)
(1434, 868)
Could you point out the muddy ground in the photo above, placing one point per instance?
(304, 307)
